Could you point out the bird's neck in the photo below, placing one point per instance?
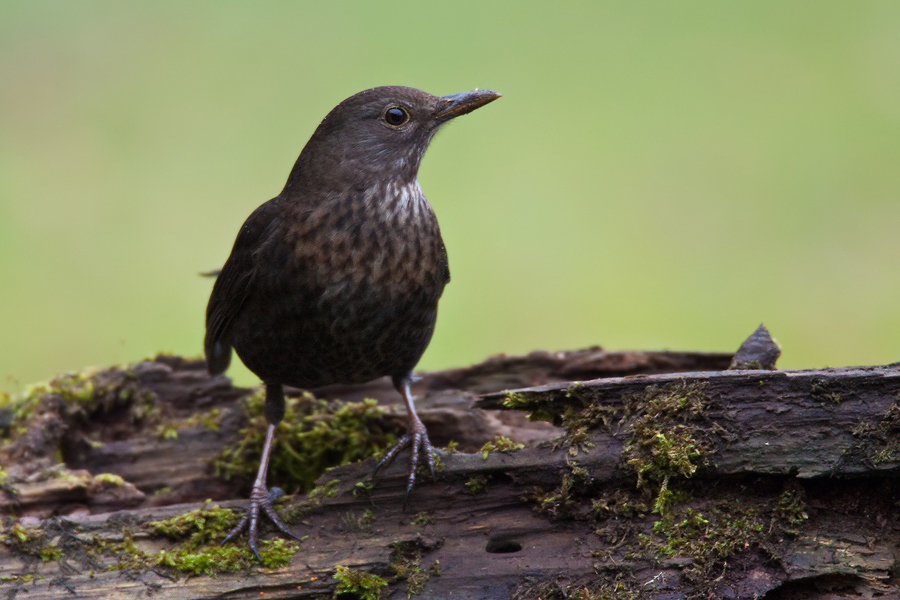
(397, 204)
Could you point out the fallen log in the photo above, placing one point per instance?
(645, 475)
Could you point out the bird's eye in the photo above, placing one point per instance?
(396, 116)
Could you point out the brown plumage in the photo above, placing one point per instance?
(337, 279)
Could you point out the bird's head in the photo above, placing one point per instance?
(383, 131)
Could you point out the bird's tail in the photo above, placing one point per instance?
(218, 356)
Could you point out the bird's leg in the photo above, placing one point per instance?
(262, 498)
(416, 437)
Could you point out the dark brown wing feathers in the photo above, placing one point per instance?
(234, 284)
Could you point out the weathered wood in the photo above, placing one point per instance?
(805, 423)
(809, 458)
(119, 437)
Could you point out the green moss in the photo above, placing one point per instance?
(477, 484)
(50, 553)
(74, 388)
(664, 442)
(23, 578)
(78, 397)
(364, 586)
(516, 401)
(211, 559)
(208, 560)
(586, 413)
(666, 439)
(439, 465)
(539, 407)
(326, 490)
(367, 520)
(204, 524)
(363, 489)
(821, 391)
(879, 442)
(711, 535)
(16, 412)
(364, 522)
(111, 478)
(610, 587)
(127, 554)
(16, 535)
(31, 541)
(581, 411)
(406, 562)
(314, 436)
(210, 419)
(500, 444)
(790, 509)
(422, 518)
(619, 503)
(567, 499)
(198, 549)
(708, 538)
(200, 552)
(560, 503)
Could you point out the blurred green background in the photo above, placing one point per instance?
(657, 174)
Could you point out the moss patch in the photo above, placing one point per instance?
(712, 531)
(665, 439)
(357, 584)
(665, 516)
(210, 419)
(49, 541)
(422, 519)
(614, 586)
(879, 442)
(582, 412)
(110, 478)
(26, 540)
(500, 444)
(198, 550)
(476, 484)
(314, 436)
(352, 522)
(211, 559)
(48, 416)
(566, 501)
(406, 562)
(712, 535)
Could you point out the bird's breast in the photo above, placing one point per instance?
(383, 240)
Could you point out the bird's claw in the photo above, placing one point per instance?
(416, 438)
(260, 499)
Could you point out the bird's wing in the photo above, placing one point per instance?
(234, 284)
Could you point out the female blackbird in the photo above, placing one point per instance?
(337, 279)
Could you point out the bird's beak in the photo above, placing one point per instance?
(455, 105)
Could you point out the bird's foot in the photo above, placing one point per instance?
(415, 438)
(260, 499)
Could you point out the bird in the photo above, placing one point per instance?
(337, 278)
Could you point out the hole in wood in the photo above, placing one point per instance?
(502, 544)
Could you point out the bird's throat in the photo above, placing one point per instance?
(400, 202)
